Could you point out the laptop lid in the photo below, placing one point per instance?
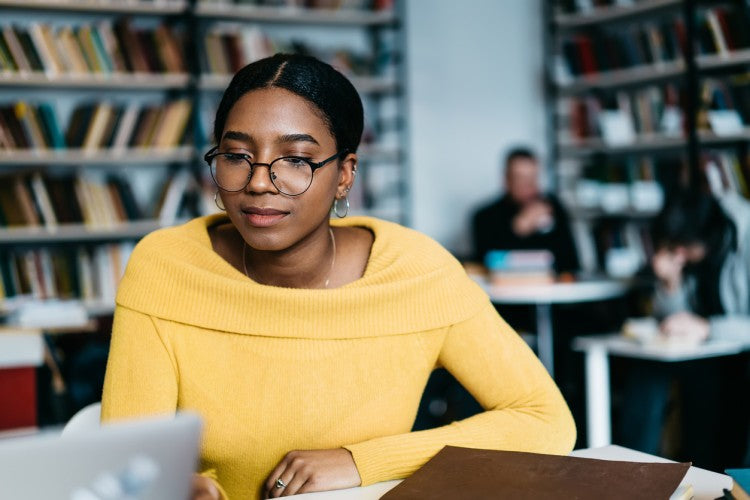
(146, 459)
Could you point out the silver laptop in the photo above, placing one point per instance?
(149, 459)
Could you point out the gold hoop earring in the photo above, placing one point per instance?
(216, 201)
(336, 207)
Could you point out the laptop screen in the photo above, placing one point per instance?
(147, 459)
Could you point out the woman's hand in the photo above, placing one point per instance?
(204, 488)
(685, 328)
(313, 470)
(667, 266)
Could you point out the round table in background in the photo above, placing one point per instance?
(542, 296)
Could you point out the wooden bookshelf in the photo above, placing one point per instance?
(642, 144)
(695, 79)
(78, 233)
(118, 81)
(131, 156)
(722, 61)
(638, 75)
(132, 7)
(614, 14)
(294, 15)
(708, 138)
(648, 144)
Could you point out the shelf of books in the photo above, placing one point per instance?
(140, 7)
(112, 53)
(624, 96)
(650, 144)
(96, 131)
(354, 15)
(79, 232)
(96, 157)
(723, 59)
(114, 81)
(646, 74)
(577, 14)
(639, 144)
(86, 273)
(637, 75)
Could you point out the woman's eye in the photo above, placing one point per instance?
(233, 158)
(295, 161)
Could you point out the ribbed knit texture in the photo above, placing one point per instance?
(275, 369)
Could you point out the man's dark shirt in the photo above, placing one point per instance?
(492, 229)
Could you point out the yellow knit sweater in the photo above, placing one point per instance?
(274, 369)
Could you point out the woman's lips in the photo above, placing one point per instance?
(263, 217)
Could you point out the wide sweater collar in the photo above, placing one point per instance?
(411, 284)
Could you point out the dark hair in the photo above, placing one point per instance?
(695, 216)
(517, 153)
(317, 82)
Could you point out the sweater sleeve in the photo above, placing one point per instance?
(141, 376)
(733, 327)
(524, 410)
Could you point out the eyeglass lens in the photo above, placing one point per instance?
(290, 176)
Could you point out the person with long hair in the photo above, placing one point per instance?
(305, 342)
(702, 269)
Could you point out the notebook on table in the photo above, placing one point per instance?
(147, 459)
(488, 474)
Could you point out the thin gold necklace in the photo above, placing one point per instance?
(330, 270)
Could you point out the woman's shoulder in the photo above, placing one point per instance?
(193, 231)
(400, 246)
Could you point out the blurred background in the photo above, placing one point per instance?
(547, 144)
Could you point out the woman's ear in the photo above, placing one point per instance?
(347, 175)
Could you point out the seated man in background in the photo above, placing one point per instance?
(524, 218)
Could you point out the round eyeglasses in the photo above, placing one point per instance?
(290, 175)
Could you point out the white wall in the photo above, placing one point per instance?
(475, 87)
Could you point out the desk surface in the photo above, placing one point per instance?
(706, 485)
(554, 293)
(619, 345)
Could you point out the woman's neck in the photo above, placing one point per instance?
(308, 264)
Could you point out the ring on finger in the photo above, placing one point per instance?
(280, 484)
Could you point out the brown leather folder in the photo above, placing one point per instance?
(478, 474)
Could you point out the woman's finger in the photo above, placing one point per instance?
(295, 483)
(270, 486)
(282, 483)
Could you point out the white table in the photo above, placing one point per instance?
(598, 348)
(706, 485)
(21, 347)
(544, 295)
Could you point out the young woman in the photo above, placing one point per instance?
(304, 343)
(702, 269)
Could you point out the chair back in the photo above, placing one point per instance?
(86, 419)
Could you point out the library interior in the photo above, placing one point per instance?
(543, 204)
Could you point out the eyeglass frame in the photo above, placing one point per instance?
(214, 152)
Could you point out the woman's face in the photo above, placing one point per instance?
(267, 124)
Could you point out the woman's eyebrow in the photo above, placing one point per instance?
(296, 138)
(237, 136)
